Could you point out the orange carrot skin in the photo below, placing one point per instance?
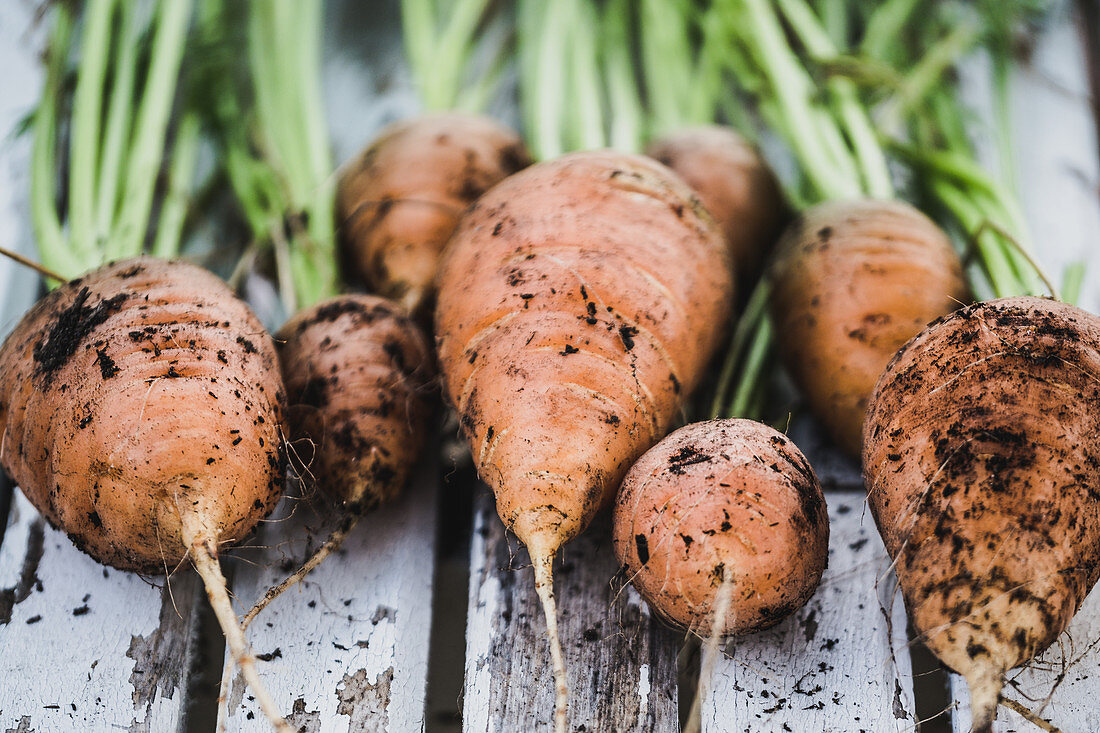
(579, 302)
(983, 476)
(722, 498)
(357, 372)
(853, 281)
(736, 185)
(399, 201)
(143, 388)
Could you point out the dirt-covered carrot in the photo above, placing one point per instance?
(736, 185)
(983, 480)
(722, 501)
(356, 370)
(399, 201)
(852, 282)
(141, 411)
(579, 302)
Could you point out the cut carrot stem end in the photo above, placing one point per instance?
(544, 585)
(204, 555)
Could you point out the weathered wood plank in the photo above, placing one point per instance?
(621, 662)
(85, 647)
(1059, 180)
(840, 663)
(347, 649)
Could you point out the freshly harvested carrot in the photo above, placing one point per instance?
(853, 281)
(722, 501)
(579, 302)
(736, 185)
(141, 412)
(357, 371)
(399, 201)
(984, 480)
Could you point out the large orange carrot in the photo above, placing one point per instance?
(141, 412)
(579, 302)
(984, 480)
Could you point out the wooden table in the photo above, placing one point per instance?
(93, 649)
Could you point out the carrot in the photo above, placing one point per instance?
(399, 201)
(983, 480)
(852, 282)
(579, 302)
(722, 501)
(736, 185)
(357, 372)
(141, 412)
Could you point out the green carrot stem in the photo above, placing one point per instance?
(666, 57)
(849, 110)
(884, 28)
(52, 246)
(312, 108)
(1073, 276)
(477, 96)
(84, 130)
(813, 146)
(418, 29)
(746, 331)
(181, 172)
(627, 127)
(147, 148)
(929, 71)
(543, 86)
(994, 260)
(118, 122)
(453, 52)
(750, 383)
(588, 122)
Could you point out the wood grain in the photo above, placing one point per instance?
(839, 663)
(620, 661)
(86, 647)
(348, 648)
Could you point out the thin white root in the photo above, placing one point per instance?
(223, 698)
(204, 554)
(330, 545)
(1029, 716)
(335, 539)
(722, 601)
(544, 586)
(985, 685)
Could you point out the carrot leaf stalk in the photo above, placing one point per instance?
(119, 136)
(284, 51)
